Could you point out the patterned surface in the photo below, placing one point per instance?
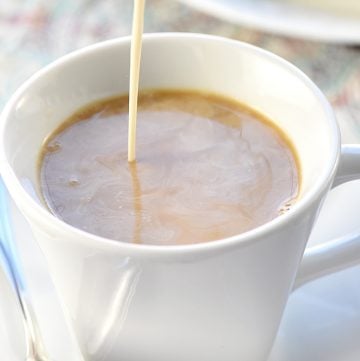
(35, 32)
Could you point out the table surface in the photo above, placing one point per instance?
(35, 32)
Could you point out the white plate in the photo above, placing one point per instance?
(286, 18)
(321, 321)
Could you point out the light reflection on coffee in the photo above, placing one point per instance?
(207, 168)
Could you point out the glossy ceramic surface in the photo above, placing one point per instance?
(321, 321)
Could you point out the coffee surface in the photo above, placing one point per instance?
(207, 168)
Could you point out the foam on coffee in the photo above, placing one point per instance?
(207, 168)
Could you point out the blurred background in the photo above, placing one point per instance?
(321, 37)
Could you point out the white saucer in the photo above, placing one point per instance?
(321, 321)
(286, 18)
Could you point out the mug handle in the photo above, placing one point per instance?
(340, 253)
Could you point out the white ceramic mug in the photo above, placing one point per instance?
(214, 301)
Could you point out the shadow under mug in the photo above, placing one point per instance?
(220, 300)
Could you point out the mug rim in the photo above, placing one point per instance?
(46, 219)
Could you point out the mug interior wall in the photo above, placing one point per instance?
(238, 71)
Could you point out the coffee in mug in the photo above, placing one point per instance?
(208, 168)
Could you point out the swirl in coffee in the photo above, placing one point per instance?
(207, 168)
